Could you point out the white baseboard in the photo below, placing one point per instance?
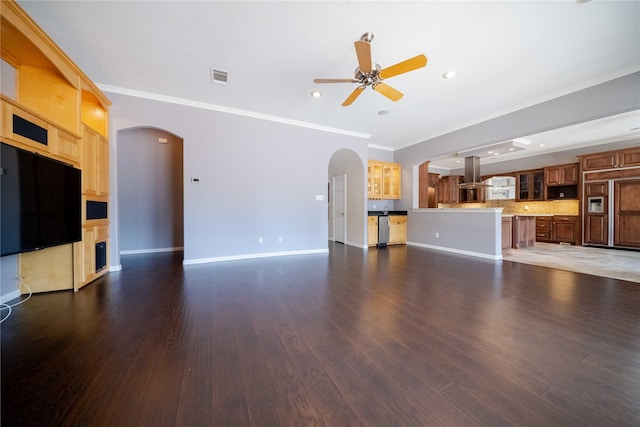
(10, 296)
(115, 268)
(151, 251)
(252, 256)
(456, 251)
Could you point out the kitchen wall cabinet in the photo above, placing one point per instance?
(611, 159)
(561, 175)
(52, 93)
(530, 185)
(448, 190)
(397, 229)
(384, 180)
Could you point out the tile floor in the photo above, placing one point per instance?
(614, 263)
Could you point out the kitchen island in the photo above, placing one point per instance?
(471, 231)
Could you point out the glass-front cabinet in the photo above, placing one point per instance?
(383, 180)
(530, 185)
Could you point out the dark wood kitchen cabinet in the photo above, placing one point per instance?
(524, 231)
(565, 229)
(561, 174)
(448, 190)
(530, 185)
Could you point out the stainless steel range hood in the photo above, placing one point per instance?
(472, 177)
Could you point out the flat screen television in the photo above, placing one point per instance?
(40, 202)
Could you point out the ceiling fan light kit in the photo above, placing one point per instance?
(369, 73)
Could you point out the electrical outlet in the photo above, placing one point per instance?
(260, 240)
(279, 239)
(437, 235)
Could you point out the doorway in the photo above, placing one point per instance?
(339, 197)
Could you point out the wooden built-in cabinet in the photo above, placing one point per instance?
(507, 232)
(611, 159)
(397, 229)
(558, 229)
(383, 180)
(611, 203)
(372, 230)
(524, 231)
(448, 190)
(530, 185)
(51, 92)
(561, 175)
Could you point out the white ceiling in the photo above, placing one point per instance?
(508, 55)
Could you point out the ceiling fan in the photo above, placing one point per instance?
(371, 74)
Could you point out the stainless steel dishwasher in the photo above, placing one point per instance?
(383, 231)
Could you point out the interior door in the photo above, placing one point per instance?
(340, 208)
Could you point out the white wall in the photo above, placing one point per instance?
(258, 178)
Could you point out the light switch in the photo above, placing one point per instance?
(319, 197)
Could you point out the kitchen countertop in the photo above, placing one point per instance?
(381, 213)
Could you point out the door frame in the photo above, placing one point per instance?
(344, 204)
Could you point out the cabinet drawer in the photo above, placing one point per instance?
(543, 235)
(567, 219)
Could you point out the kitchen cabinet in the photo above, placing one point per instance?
(448, 190)
(530, 185)
(627, 213)
(611, 206)
(557, 229)
(427, 187)
(472, 195)
(611, 159)
(507, 232)
(397, 229)
(565, 229)
(524, 231)
(372, 230)
(543, 228)
(383, 180)
(561, 175)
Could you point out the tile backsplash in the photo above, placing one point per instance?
(553, 207)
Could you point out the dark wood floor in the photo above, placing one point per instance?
(402, 336)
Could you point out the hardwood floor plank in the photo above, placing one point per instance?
(402, 336)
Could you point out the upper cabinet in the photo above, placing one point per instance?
(530, 185)
(384, 180)
(45, 97)
(611, 159)
(561, 175)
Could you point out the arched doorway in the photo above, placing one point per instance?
(346, 169)
(150, 191)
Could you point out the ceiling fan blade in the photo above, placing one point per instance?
(363, 51)
(353, 96)
(335, 81)
(404, 66)
(388, 91)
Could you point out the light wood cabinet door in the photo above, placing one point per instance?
(397, 229)
(383, 180)
(89, 161)
(372, 230)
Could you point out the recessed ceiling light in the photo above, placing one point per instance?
(316, 94)
(458, 161)
(448, 75)
(383, 112)
(511, 149)
(540, 145)
(489, 152)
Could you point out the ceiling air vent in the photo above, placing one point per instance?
(219, 76)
